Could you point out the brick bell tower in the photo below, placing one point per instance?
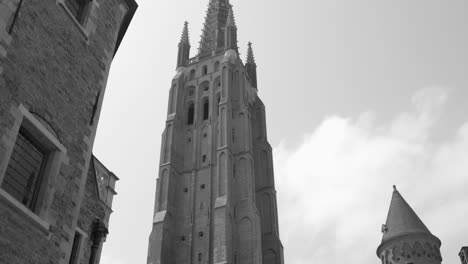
(215, 197)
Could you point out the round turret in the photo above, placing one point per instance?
(406, 240)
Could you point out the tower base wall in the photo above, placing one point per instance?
(411, 248)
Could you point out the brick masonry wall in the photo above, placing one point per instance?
(50, 66)
(91, 208)
(7, 11)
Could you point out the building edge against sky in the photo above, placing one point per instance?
(55, 196)
(464, 255)
(215, 198)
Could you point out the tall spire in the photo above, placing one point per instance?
(183, 54)
(185, 35)
(250, 56)
(251, 66)
(230, 35)
(212, 37)
(401, 219)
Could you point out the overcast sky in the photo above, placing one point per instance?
(360, 95)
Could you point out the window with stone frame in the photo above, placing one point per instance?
(24, 174)
(32, 165)
(79, 9)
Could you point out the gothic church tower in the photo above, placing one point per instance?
(215, 198)
(406, 240)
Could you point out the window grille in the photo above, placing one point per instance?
(24, 172)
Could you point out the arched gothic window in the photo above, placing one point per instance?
(206, 109)
(192, 74)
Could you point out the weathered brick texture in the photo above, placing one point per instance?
(55, 69)
(92, 207)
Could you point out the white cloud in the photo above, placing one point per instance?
(334, 190)
(110, 260)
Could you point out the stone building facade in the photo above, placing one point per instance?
(406, 240)
(215, 198)
(55, 196)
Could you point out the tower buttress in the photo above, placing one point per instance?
(183, 54)
(251, 66)
(230, 35)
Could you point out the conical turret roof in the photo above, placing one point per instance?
(402, 219)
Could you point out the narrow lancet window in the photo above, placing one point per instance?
(190, 114)
(206, 109)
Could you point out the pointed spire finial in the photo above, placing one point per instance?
(250, 56)
(185, 34)
(231, 22)
(394, 188)
(183, 53)
(251, 66)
